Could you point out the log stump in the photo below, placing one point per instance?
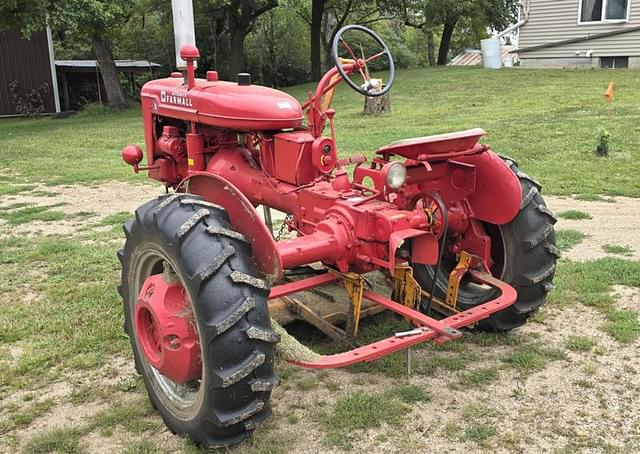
(377, 105)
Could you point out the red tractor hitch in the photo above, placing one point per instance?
(427, 328)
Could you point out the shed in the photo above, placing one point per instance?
(80, 80)
(27, 74)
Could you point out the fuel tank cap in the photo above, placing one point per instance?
(244, 79)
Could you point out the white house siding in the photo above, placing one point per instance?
(551, 21)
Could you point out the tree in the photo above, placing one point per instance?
(241, 16)
(147, 34)
(313, 14)
(231, 20)
(326, 17)
(212, 34)
(90, 20)
(270, 54)
(480, 14)
(317, 14)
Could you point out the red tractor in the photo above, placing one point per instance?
(459, 230)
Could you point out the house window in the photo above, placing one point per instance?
(604, 10)
(614, 62)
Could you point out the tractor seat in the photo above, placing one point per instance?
(443, 144)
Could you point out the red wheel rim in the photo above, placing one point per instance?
(165, 329)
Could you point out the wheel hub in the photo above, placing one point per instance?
(165, 330)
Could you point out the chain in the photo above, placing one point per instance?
(285, 222)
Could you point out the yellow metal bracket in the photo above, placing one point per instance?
(406, 289)
(354, 286)
(464, 263)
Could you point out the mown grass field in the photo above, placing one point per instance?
(547, 119)
(66, 379)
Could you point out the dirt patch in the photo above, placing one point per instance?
(38, 228)
(67, 410)
(84, 205)
(96, 442)
(627, 297)
(613, 222)
(103, 199)
(583, 403)
(87, 206)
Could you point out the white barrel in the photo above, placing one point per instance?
(491, 53)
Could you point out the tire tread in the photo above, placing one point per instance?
(244, 382)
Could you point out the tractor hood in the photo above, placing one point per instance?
(224, 104)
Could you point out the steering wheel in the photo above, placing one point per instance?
(367, 88)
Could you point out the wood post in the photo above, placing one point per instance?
(377, 105)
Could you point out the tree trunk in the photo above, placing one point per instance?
(431, 48)
(445, 42)
(327, 34)
(328, 57)
(236, 56)
(317, 11)
(377, 105)
(274, 67)
(115, 95)
(213, 36)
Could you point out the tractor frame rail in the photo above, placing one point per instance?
(427, 328)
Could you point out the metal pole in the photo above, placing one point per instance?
(54, 76)
(98, 82)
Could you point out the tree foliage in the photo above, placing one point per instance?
(282, 42)
(471, 17)
(272, 56)
(89, 21)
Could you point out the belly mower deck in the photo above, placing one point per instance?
(426, 328)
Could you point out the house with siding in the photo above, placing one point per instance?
(580, 34)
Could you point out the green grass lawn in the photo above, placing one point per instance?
(546, 119)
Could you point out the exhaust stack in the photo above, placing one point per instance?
(183, 28)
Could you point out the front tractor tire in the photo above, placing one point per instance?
(525, 254)
(190, 244)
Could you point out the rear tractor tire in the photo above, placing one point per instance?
(525, 253)
(190, 244)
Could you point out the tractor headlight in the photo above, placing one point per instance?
(396, 175)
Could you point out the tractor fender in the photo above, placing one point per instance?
(498, 194)
(243, 217)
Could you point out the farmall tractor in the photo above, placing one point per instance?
(459, 231)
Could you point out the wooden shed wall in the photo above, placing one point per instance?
(27, 61)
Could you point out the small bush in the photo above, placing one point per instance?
(604, 140)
